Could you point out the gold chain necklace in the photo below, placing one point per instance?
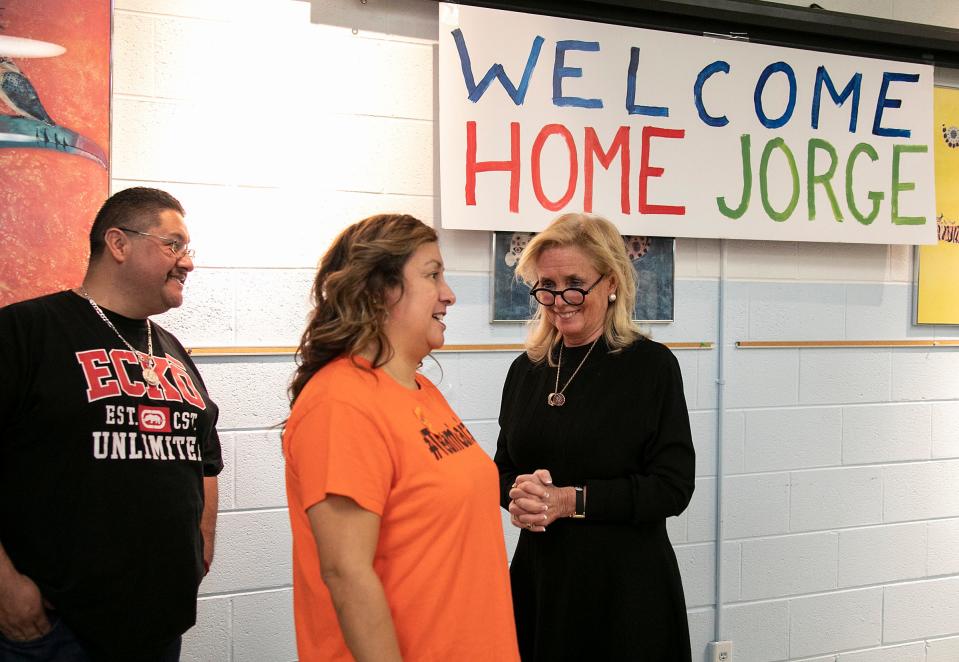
(148, 366)
(556, 398)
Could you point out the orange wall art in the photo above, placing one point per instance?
(54, 140)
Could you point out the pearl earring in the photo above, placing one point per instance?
(612, 297)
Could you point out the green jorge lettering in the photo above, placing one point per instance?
(898, 186)
(825, 179)
(875, 196)
(780, 144)
(747, 184)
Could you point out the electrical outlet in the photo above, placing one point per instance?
(720, 651)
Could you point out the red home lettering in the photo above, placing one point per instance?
(512, 166)
(646, 171)
(538, 144)
(594, 148)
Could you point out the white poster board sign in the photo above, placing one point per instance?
(676, 135)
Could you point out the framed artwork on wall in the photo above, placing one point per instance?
(653, 261)
(937, 265)
(54, 140)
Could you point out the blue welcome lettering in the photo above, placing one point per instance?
(476, 90)
(853, 87)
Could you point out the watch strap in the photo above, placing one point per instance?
(580, 506)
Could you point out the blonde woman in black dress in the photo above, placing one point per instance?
(594, 453)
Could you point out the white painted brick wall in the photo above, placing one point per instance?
(880, 554)
(921, 490)
(759, 631)
(942, 650)
(842, 262)
(834, 622)
(945, 430)
(271, 304)
(253, 549)
(789, 565)
(886, 433)
(756, 505)
(689, 363)
(737, 308)
(475, 382)
(263, 627)
(920, 609)
(943, 536)
(706, 375)
(781, 439)
(207, 317)
(762, 260)
(858, 449)
(835, 498)
(924, 375)
(259, 470)
(250, 393)
(486, 433)
(703, 426)
(777, 311)
(843, 375)
(211, 638)
(694, 303)
(906, 653)
(676, 529)
(762, 378)
(701, 627)
(700, 515)
(697, 562)
(226, 481)
(881, 311)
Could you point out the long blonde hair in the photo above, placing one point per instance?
(364, 263)
(603, 246)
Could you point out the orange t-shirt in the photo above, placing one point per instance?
(405, 456)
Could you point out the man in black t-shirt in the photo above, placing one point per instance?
(108, 453)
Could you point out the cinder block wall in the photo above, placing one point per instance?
(277, 123)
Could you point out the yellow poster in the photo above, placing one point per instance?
(938, 270)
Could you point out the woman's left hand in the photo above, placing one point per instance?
(535, 502)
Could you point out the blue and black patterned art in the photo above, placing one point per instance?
(653, 261)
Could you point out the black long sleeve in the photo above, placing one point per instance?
(624, 432)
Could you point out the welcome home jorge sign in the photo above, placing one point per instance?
(676, 135)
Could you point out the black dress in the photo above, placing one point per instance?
(606, 587)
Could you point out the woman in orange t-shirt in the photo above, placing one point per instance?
(397, 543)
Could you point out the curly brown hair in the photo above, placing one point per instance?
(350, 293)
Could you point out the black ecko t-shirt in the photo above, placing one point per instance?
(101, 474)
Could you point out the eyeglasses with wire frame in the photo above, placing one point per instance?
(177, 247)
(574, 296)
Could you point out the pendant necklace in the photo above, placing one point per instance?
(148, 366)
(556, 398)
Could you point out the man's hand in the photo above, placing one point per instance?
(22, 616)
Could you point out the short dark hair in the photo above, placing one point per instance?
(136, 208)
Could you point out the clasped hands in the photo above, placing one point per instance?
(535, 502)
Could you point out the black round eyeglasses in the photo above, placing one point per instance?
(574, 296)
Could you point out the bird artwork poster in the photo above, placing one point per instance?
(54, 140)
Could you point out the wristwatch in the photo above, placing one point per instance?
(580, 507)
